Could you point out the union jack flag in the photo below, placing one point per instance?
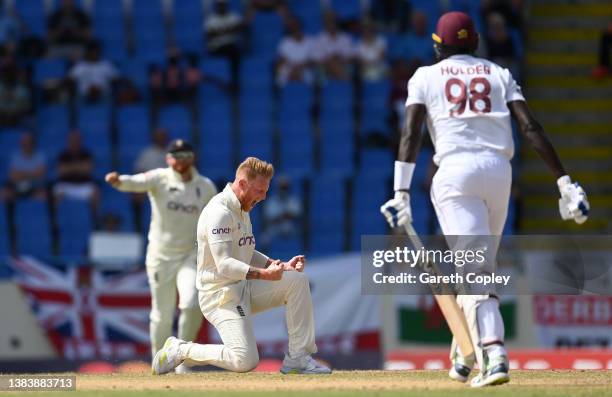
(87, 313)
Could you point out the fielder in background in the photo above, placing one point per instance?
(468, 103)
(235, 282)
(177, 194)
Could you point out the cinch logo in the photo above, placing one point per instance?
(189, 209)
(221, 230)
(250, 240)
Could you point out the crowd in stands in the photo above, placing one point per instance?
(315, 86)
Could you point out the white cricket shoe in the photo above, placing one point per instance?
(461, 368)
(497, 373)
(168, 357)
(303, 365)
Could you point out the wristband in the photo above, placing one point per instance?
(403, 175)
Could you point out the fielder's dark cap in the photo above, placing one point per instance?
(456, 29)
(179, 145)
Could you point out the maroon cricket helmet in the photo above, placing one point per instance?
(456, 29)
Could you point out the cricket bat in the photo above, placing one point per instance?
(448, 305)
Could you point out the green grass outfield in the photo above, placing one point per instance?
(572, 383)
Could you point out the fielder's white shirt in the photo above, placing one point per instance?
(175, 206)
(223, 221)
(466, 99)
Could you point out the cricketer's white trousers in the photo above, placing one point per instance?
(470, 193)
(167, 274)
(232, 319)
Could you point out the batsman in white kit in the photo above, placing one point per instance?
(177, 194)
(468, 103)
(235, 281)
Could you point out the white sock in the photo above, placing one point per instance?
(491, 328)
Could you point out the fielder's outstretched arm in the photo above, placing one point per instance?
(534, 133)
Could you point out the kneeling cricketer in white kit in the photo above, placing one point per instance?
(468, 103)
(177, 194)
(235, 282)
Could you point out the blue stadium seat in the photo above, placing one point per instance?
(118, 203)
(337, 143)
(365, 213)
(188, 17)
(94, 123)
(32, 13)
(148, 28)
(216, 145)
(218, 68)
(49, 69)
(5, 244)
(133, 134)
(145, 219)
(177, 120)
(347, 9)
(256, 134)
(137, 71)
(375, 108)
(33, 227)
(376, 161)
(327, 217)
(337, 95)
(295, 99)
(256, 73)
(53, 125)
(296, 147)
(309, 12)
(109, 26)
(266, 33)
(75, 223)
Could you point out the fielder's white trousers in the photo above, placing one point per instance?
(232, 319)
(168, 274)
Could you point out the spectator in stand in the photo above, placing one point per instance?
(15, 95)
(333, 50)
(27, 170)
(176, 82)
(512, 10)
(282, 214)
(75, 172)
(401, 72)
(371, 53)
(415, 44)
(604, 68)
(69, 30)
(153, 156)
(294, 61)
(500, 47)
(93, 77)
(224, 29)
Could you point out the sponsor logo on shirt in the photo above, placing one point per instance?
(221, 230)
(250, 240)
(188, 209)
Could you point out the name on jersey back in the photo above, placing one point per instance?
(469, 70)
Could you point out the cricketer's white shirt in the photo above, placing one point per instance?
(175, 206)
(222, 221)
(466, 100)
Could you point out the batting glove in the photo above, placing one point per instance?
(573, 203)
(397, 210)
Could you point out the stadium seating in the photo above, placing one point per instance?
(309, 14)
(148, 26)
(266, 32)
(75, 223)
(216, 143)
(370, 191)
(375, 107)
(5, 246)
(327, 216)
(187, 25)
(32, 13)
(9, 138)
(118, 203)
(177, 120)
(33, 228)
(109, 26)
(133, 134)
(53, 125)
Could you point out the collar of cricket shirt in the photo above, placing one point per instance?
(179, 178)
(232, 199)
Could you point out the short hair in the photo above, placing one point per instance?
(254, 167)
